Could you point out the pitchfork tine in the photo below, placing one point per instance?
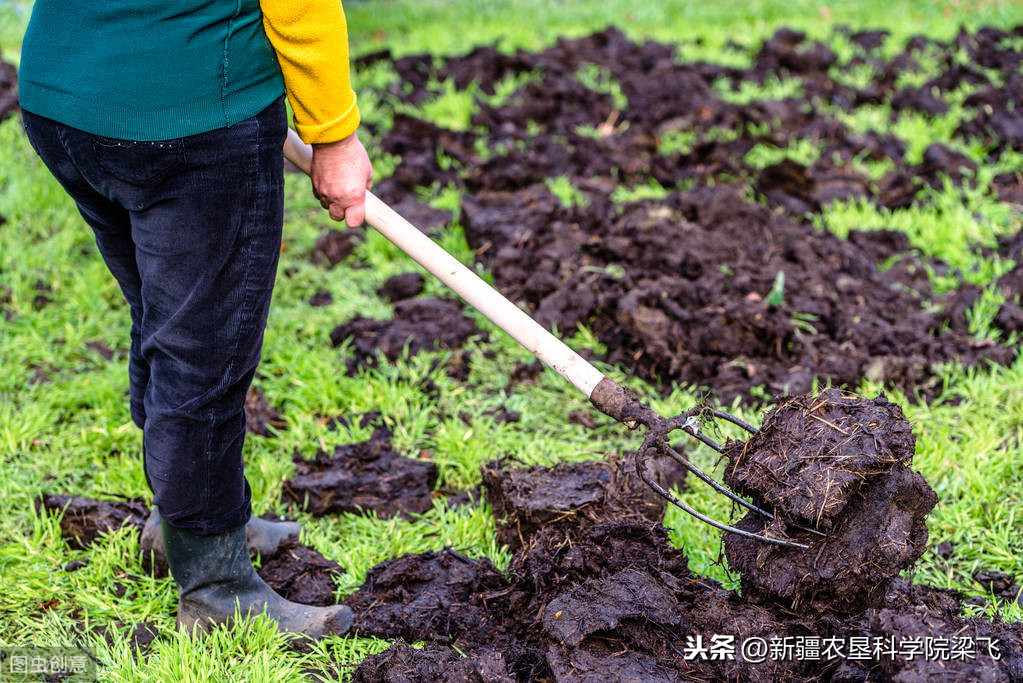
(735, 420)
(703, 476)
(660, 490)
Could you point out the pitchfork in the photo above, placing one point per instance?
(604, 393)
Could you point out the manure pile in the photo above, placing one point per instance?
(724, 285)
(595, 592)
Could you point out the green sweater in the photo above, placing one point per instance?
(147, 69)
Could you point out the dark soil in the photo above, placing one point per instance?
(84, 520)
(919, 612)
(427, 596)
(418, 325)
(321, 297)
(302, 575)
(403, 286)
(465, 498)
(1009, 187)
(824, 448)
(694, 304)
(592, 597)
(841, 464)
(678, 289)
(402, 663)
(595, 592)
(881, 533)
(143, 635)
(1001, 584)
(527, 500)
(334, 246)
(259, 414)
(367, 475)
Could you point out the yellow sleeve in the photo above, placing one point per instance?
(311, 42)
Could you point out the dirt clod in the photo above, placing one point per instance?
(334, 246)
(526, 500)
(320, 298)
(813, 452)
(418, 325)
(842, 464)
(301, 574)
(402, 286)
(259, 414)
(368, 475)
(1000, 583)
(84, 520)
(881, 533)
(433, 596)
(402, 663)
(605, 604)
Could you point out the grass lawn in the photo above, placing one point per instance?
(65, 427)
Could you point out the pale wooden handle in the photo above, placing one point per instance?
(466, 284)
(298, 153)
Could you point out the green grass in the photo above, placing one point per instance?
(64, 423)
(442, 26)
(745, 92)
(801, 151)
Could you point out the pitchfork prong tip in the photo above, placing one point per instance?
(703, 476)
(661, 491)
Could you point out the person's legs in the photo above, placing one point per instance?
(207, 248)
(111, 225)
(205, 215)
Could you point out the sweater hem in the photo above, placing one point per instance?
(148, 124)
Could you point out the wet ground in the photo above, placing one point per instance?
(418, 324)
(368, 475)
(727, 287)
(260, 415)
(595, 592)
(301, 574)
(83, 520)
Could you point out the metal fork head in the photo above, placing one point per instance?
(656, 444)
(623, 405)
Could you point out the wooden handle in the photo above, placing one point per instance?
(481, 296)
(298, 153)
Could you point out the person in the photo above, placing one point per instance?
(165, 122)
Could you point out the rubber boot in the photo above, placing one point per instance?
(264, 536)
(216, 580)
